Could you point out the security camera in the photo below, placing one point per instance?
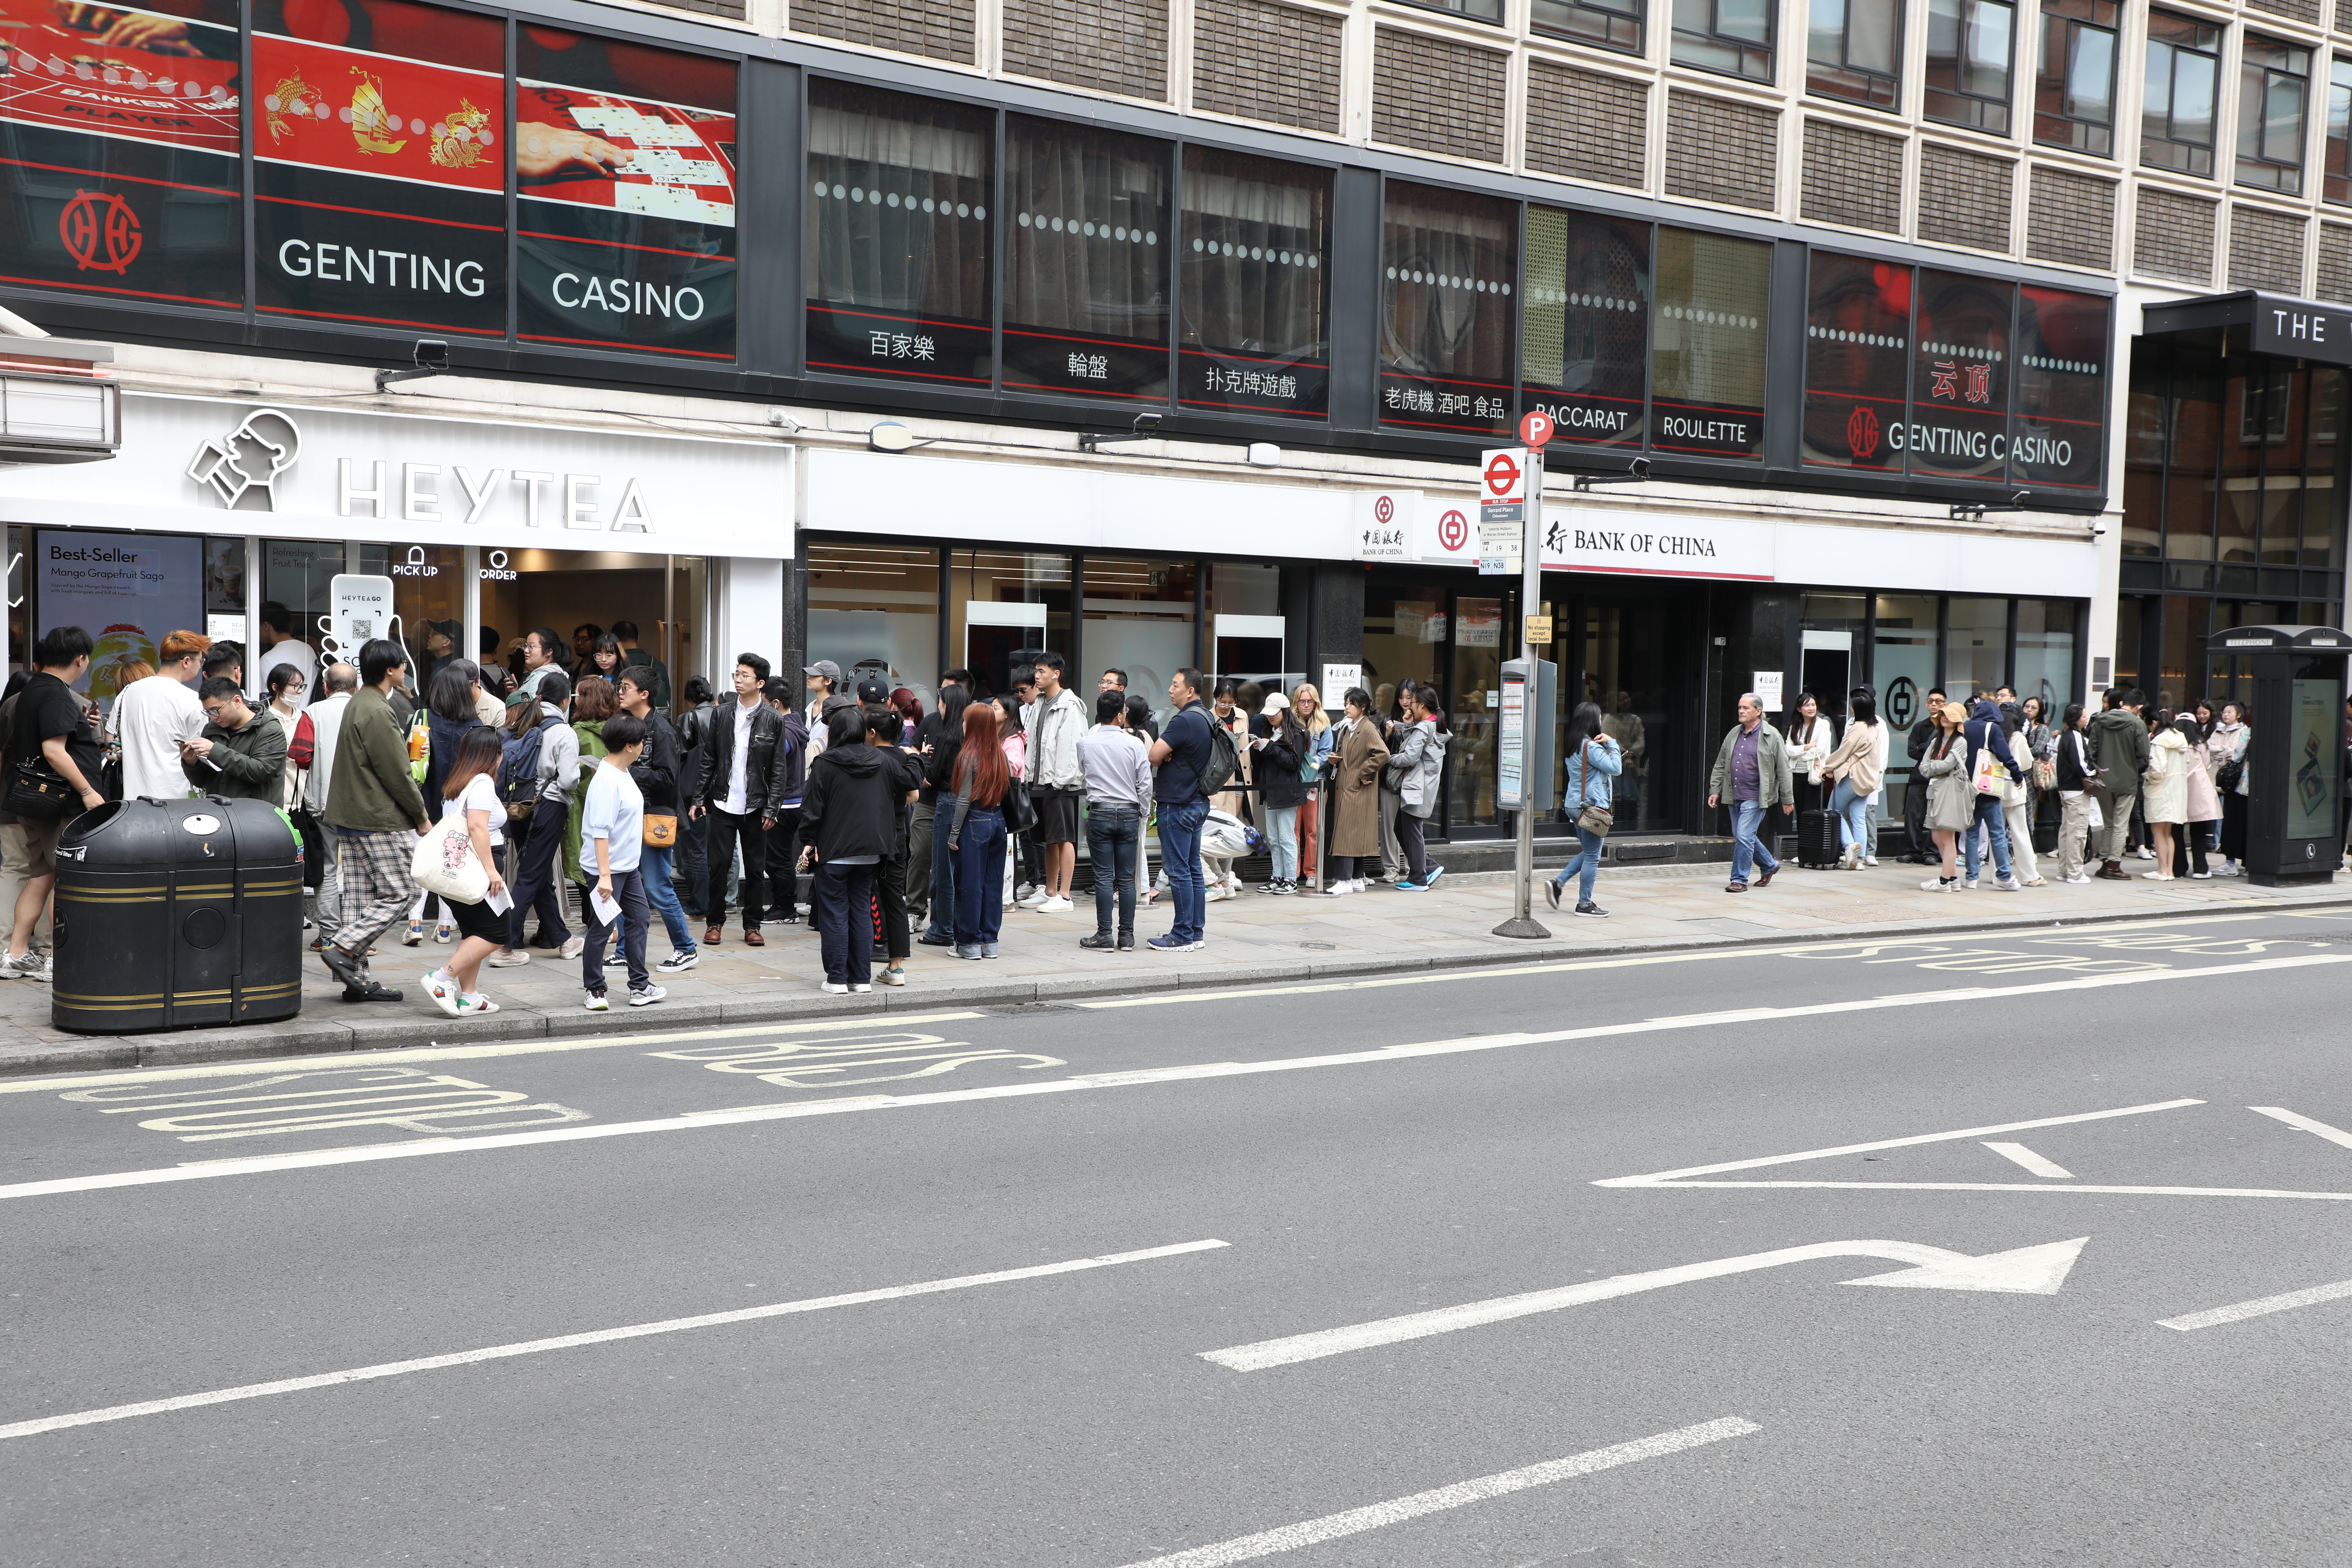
(1639, 468)
(1149, 423)
(432, 354)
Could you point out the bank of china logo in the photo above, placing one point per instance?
(100, 232)
(248, 459)
(1862, 432)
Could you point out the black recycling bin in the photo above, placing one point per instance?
(172, 913)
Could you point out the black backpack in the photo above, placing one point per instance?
(1224, 759)
(518, 770)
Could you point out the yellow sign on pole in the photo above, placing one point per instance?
(1538, 630)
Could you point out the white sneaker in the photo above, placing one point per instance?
(598, 1004)
(507, 958)
(1967, 884)
(1870, 859)
(1339, 889)
(2143, 853)
(1031, 901)
(647, 997)
(1358, 885)
(1937, 885)
(833, 990)
(573, 948)
(2009, 885)
(1053, 905)
(1216, 895)
(2077, 877)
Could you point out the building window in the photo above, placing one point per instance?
(2184, 66)
(1853, 49)
(1608, 26)
(1584, 338)
(2272, 92)
(874, 609)
(1476, 10)
(2061, 419)
(897, 236)
(1447, 263)
(1857, 363)
(1714, 296)
(1970, 45)
(1255, 240)
(1734, 36)
(2075, 92)
(1086, 261)
(2338, 184)
(1959, 377)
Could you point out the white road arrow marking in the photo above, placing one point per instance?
(2027, 1270)
(2305, 1124)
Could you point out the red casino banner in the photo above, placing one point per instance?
(330, 108)
(119, 162)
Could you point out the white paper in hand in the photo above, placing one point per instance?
(608, 912)
(499, 902)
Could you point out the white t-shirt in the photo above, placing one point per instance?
(482, 794)
(615, 812)
(293, 651)
(150, 718)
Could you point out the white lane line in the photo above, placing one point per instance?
(2032, 1161)
(264, 1163)
(1661, 1178)
(598, 1337)
(1356, 1520)
(2305, 1123)
(2261, 1307)
(404, 1056)
(1997, 1188)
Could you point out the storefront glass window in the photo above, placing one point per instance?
(2283, 479)
(1902, 660)
(2146, 422)
(1832, 626)
(2181, 662)
(130, 187)
(1257, 234)
(1857, 362)
(899, 235)
(1976, 646)
(1140, 619)
(1714, 295)
(1085, 271)
(2323, 511)
(1251, 637)
(2195, 451)
(626, 175)
(874, 609)
(1477, 681)
(1448, 260)
(295, 574)
(428, 596)
(2254, 409)
(2062, 391)
(1002, 604)
(1959, 381)
(1629, 659)
(1405, 628)
(363, 210)
(1585, 325)
(2045, 653)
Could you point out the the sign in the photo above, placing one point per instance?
(1339, 679)
(1540, 630)
(2294, 330)
(1642, 543)
(1385, 522)
(1499, 545)
(1535, 428)
(1768, 690)
(1511, 737)
(206, 466)
(1453, 531)
(128, 593)
(1501, 477)
(359, 608)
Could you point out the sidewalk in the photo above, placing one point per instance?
(1251, 938)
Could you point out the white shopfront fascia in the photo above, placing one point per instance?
(299, 471)
(1069, 507)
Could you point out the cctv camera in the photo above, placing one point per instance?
(432, 354)
(1149, 423)
(1639, 468)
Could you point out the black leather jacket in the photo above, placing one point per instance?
(763, 780)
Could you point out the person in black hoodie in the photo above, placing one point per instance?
(849, 823)
(740, 801)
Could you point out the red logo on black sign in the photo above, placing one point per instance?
(100, 232)
(1862, 432)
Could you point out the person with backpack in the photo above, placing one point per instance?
(1985, 733)
(593, 700)
(1592, 769)
(657, 773)
(1195, 758)
(539, 768)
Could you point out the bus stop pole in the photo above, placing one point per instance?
(1523, 922)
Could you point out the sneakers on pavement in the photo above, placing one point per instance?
(1031, 901)
(1430, 880)
(894, 975)
(443, 992)
(1551, 892)
(648, 997)
(2077, 879)
(1938, 885)
(1593, 911)
(1171, 943)
(1053, 905)
(2007, 885)
(473, 1003)
(679, 962)
(507, 958)
(1098, 942)
(598, 1004)
(573, 948)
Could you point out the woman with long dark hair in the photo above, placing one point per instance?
(1418, 770)
(976, 833)
(1595, 762)
(472, 786)
(1951, 794)
(448, 716)
(1851, 774)
(1812, 736)
(2225, 752)
(939, 771)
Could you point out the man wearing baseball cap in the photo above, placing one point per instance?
(825, 692)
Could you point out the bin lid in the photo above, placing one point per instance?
(2280, 639)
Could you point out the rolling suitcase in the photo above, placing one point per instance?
(1817, 840)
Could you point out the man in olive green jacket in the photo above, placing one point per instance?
(376, 813)
(241, 754)
(1751, 772)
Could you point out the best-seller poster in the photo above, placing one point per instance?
(128, 591)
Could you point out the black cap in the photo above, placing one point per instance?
(871, 691)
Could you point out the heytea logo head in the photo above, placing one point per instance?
(248, 459)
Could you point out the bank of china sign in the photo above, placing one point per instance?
(199, 464)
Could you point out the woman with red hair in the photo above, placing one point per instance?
(976, 839)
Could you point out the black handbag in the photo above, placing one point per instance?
(1020, 812)
(39, 793)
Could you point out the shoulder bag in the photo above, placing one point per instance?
(37, 792)
(661, 830)
(444, 861)
(1596, 820)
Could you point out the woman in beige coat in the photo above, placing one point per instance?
(1356, 797)
(1951, 794)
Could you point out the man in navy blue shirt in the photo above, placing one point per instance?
(1982, 732)
(1181, 755)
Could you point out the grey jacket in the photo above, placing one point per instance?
(1418, 767)
(1054, 741)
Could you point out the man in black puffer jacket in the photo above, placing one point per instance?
(1923, 851)
(849, 824)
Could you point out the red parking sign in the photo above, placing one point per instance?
(1535, 427)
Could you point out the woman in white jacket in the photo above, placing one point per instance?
(2164, 795)
(2017, 802)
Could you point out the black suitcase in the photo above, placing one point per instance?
(1817, 840)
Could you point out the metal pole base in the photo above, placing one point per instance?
(1523, 926)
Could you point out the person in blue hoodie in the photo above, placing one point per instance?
(1983, 732)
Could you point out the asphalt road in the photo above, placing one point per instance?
(1257, 1176)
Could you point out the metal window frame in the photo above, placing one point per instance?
(2253, 115)
(1981, 103)
(1893, 80)
(2076, 25)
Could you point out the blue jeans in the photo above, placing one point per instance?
(844, 901)
(1113, 838)
(1180, 853)
(1584, 865)
(1853, 817)
(943, 870)
(1281, 823)
(1747, 850)
(662, 894)
(979, 876)
(1989, 817)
